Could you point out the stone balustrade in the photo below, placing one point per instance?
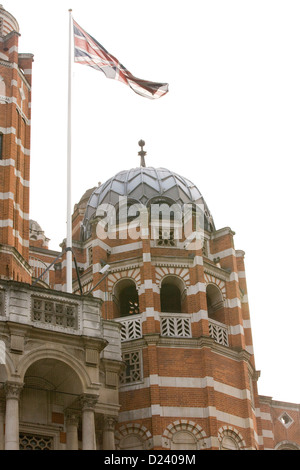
(50, 310)
(172, 325)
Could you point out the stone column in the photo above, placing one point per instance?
(12, 416)
(109, 433)
(72, 420)
(88, 422)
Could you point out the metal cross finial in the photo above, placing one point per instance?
(142, 153)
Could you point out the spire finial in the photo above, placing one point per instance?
(142, 153)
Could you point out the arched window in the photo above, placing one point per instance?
(126, 298)
(183, 440)
(131, 442)
(170, 298)
(230, 440)
(215, 304)
(171, 294)
(228, 443)
(287, 445)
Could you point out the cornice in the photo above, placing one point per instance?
(194, 343)
(216, 271)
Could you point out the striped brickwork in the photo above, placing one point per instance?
(189, 379)
(15, 112)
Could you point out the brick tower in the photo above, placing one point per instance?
(15, 107)
(189, 380)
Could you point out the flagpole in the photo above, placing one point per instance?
(69, 153)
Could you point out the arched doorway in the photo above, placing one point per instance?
(51, 394)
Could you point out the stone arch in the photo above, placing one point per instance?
(210, 279)
(215, 298)
(230, 438)
(181, 272)
(53, 386)
(287, 445)
(59, 354)
(130, 433)
(195, 433)
(114, 277)
(7, 370)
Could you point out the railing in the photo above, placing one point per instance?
(172, 325)
(175, 325)
(51, 310)
(218, 332)
(131, 328)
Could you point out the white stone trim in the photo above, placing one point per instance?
(190, 382)
(22, 181)
(233, 303)
(233, 277)
(200, 315)
(12, 49)
(125, 248)
(24, 243)
(246, 324)
(6, 223)
(267, 433)
(150, 313)
(185, 412)
(224, 253)
(148, 284)
(249, 349)
(236, 330)
(9, 195)
(199, 287)
(7, 162)
(146, 257)
(198, 261)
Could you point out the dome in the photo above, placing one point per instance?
(145, 185)
(34, 226)
(7, 22)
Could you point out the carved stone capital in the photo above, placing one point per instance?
(109, 423)
(88, 402)
(13, 390)
(72, 417)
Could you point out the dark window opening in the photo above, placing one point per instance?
(170, 298)
(215, 304)
(129, 301)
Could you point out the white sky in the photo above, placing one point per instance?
(230, 123)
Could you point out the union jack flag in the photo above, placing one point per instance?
(88, 51)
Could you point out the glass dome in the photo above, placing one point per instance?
(144, 185)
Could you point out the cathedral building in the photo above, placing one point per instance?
(153, 349)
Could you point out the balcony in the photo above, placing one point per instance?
(172, 325)
(218, 332)
(50, 310)
(176, 325)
